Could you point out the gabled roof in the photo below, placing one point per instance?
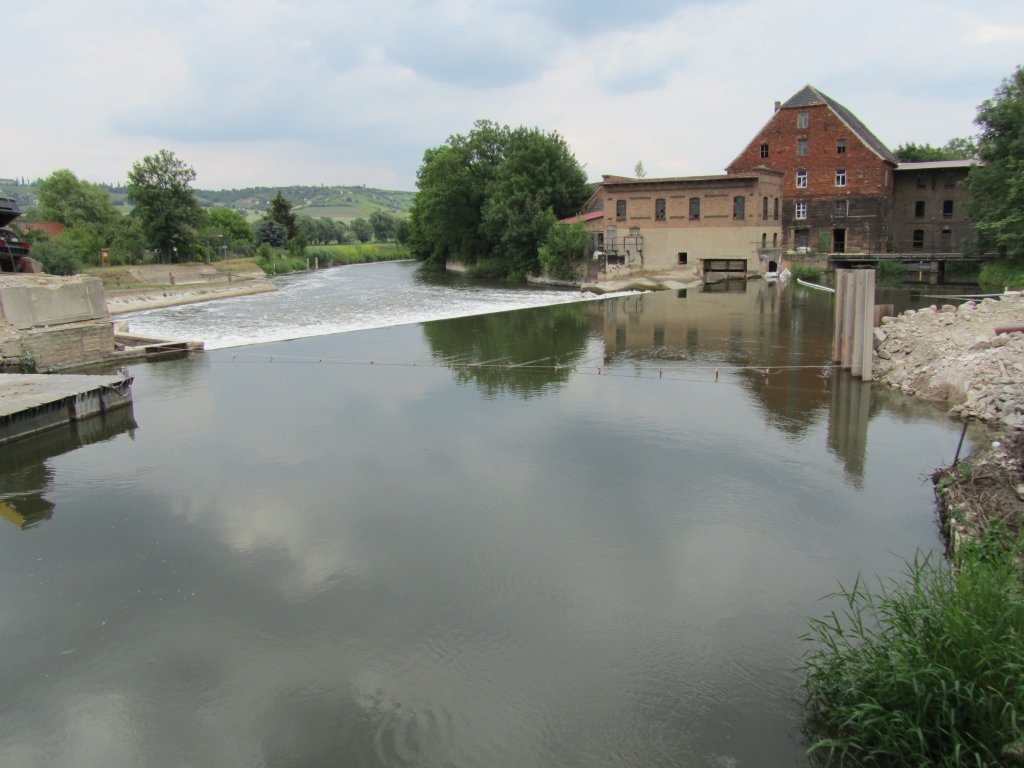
(809, 96)
(581, 217)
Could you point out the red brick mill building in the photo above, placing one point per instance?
(837, 184)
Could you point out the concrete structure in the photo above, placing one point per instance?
(697, 223)
(837, 175)
(930, 207)
(31, 403)
(43, 301)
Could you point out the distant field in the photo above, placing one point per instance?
(332, 211)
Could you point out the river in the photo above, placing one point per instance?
(587, 533)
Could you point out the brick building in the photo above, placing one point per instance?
(690, 221)
(930, 207)
(837, 177)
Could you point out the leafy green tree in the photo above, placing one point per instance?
(383, 225)
(270, 233)
(997, 186)
(280, 212)
(361, 229)
(403, 231)
(234, 224)
(65, 198)
(165, 204)
(129, 242)
(563, 249)
(491, 197)
(954, 149)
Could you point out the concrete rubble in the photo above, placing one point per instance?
(952, 354)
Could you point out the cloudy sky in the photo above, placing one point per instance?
(278, 92)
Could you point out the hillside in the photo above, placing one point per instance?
(338, 202)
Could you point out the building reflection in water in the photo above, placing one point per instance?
(773, 339)
(26, 474)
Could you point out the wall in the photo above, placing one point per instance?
(939, 185)
(715, 234)
(869, 178)
(59, 347)
(38, 301)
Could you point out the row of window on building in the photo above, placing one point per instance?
(801, 178)
(947, 209)
(739, 208)
(802, 145)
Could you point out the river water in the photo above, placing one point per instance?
(537, 537)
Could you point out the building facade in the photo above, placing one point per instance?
(837, 176)
(691, 222)
(930, 207)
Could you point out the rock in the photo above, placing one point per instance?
(947, 308)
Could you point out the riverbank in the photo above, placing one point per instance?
(151, 286)
(954, 355)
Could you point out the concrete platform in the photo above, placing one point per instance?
(32, 402)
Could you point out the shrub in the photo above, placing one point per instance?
(890, 271)
(1005, 273)
(57, 255)
(928, 671)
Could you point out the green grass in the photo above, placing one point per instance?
(926, 671)
(1005, 273)
(356, 253)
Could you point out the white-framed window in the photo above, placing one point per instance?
(801, 147)
(801, 178)
(840, 177)
(801, 210)
(802, 120)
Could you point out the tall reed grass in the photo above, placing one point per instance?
(927, 671)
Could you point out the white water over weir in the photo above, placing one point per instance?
(336, 300)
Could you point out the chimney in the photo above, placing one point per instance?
(778, 105)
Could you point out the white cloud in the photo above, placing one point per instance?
(269, 92)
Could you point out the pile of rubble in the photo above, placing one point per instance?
(954, 355)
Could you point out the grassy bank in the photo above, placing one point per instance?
(1007, 273)
(927, 670)
(282, 262)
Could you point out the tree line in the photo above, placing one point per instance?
(168, 224)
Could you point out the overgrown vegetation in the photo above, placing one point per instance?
(274, 261)
(562, 250)
(1005, 273)
(889, 271)
(927, 670)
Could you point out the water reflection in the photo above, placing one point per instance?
(519, 352)
(28, 475)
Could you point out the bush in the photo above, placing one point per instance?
(57, 255)
(890, 271)
(929, 671)
(356, 253)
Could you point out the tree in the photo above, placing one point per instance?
(383, 224)
(165, 204)
(271, 233)
(997, 186)
(563, 248)
(361, 229)
(280, 212)
(954, 149)
(65, 198)
(638, 170)
(489, 198)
